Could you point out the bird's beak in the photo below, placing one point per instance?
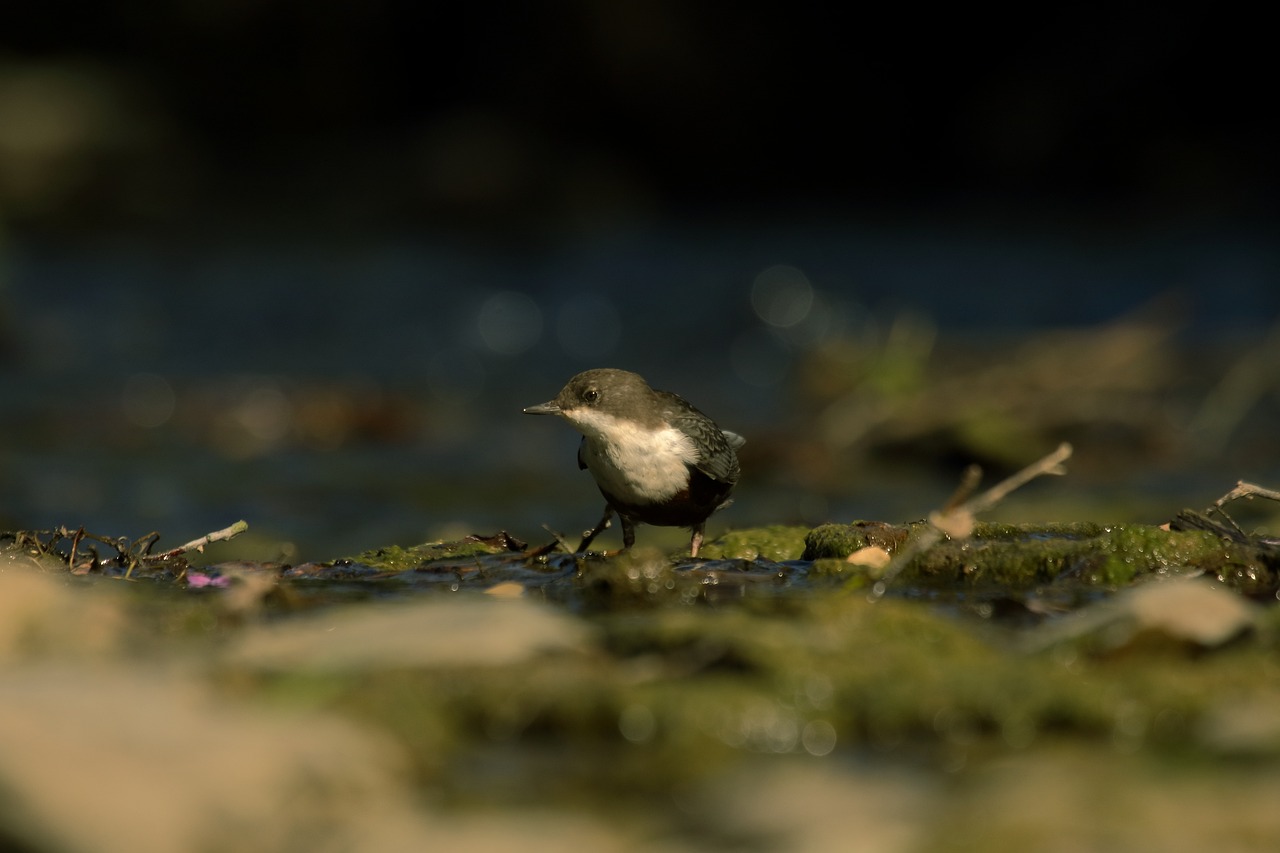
(551, 408)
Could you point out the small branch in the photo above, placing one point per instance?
(559, 541)
(1248, 491)
(199, 544)
(1245, 491)
(957, 521)
(1236, 394)
(1191, 520)
(75, 545)
(1051, 464)
(969, 481)
(144, 545)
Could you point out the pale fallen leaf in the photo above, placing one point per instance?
(43, 616)
(1184, 610)
(818, 806)
(506, 589)
(956, 523)
(445, 632)
(117, 759)
(870, 556)
(126, 760)
(1194, 610)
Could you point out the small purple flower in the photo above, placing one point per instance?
(199, 580)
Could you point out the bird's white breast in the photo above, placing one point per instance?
(635, 464)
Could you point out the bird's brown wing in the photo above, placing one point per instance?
(716, 456)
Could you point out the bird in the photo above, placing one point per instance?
(655, 458)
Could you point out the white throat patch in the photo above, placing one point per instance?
(634, 464)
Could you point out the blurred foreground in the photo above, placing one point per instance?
(476, 698)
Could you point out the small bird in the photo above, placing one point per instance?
(656, 459)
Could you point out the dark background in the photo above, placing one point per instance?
(426, 216)
(367, 117)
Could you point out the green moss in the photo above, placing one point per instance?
(395, 558)
(777, 543)
(637, 576)
(841, 540)
(1051, 530)
(853, 575)
(1127, 551)
(710, 687)
(1021, 555)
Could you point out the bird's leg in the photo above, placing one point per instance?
(628, 536)
(696, 542)
(589, 536)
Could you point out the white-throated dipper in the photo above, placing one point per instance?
(656, 459)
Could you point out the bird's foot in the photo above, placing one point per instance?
(695, 543)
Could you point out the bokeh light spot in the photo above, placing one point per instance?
(637, 723)
(782, 296)
(509, 322)
(818, 737)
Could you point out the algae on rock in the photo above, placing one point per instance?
(1020, 556)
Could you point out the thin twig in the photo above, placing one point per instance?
(1242, 490)
(75, 544)
(1247, 491)
(1236, 394)
(957, 521)
(144, 545)
(551, 546)
(199, 544)
(1051, 464)
(969, 481)
(559, 537)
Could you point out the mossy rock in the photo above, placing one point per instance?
(395, 558)
(1022, 555)
(776, 542)
(841, 540)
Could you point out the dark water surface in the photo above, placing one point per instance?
(343, 396)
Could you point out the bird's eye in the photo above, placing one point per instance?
(591, 395)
